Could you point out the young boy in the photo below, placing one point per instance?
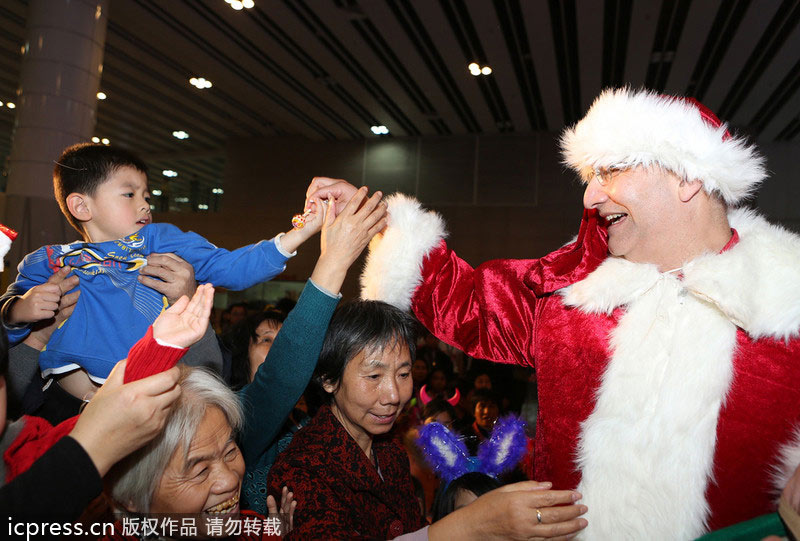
(103, 192)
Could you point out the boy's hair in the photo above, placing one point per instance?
(85, 166)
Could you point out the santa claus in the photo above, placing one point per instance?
(664, 339)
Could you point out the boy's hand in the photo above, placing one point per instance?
(294, 238)
(185, 322)
(42, 302)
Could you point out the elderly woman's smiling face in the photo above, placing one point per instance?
(207, 478)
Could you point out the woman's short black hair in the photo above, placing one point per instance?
(238, 340)
(358, 325)
(445, 500)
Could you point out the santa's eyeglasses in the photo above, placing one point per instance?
(605, 175)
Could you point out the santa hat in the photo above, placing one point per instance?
(7, 235)
(625, 127)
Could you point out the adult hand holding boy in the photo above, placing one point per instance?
(170, 275)
(41, 302)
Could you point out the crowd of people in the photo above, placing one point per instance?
(663, 342)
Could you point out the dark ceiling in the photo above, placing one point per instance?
(331, 69)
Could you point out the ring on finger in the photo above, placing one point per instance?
(539, 516)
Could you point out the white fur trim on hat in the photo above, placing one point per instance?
(6, 237)
(629, 128)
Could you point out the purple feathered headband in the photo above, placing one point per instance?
(448, 457)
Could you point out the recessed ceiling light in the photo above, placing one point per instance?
(181, 199)
(152, 207)
(101, 95)
(237, 5)
(180, 134)
(200, 82)
(380, 130)
(1, 103)
(105, 141)
(217, 191)
(476, 69)
(95, 139)
(156, 192)
(10, 105)
(248, 4)
(201, 206)
(169, 173)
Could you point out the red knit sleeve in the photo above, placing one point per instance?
(36, 438)
(147, 357)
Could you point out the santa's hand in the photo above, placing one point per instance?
(333, 189)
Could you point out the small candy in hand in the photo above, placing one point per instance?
(299, 220)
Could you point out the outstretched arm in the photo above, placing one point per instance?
(281, 379)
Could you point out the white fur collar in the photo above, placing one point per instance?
(756, 283)
(646, 451)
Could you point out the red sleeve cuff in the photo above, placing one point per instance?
(147, 357)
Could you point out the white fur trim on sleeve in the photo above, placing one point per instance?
(393, 268)
(788, 462)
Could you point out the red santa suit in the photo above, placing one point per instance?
(671, 401)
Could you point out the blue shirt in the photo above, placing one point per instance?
(114, 310)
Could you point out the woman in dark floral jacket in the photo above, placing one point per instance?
(350, 478)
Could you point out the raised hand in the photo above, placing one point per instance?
(42, 302)
(288, 505)
(345, 237)
(185, 322)
(335, 190)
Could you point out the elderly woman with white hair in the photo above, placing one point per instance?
(194, 467)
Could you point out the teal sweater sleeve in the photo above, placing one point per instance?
(281, 379)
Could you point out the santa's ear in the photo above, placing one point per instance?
(78, 206)
(689, 188)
